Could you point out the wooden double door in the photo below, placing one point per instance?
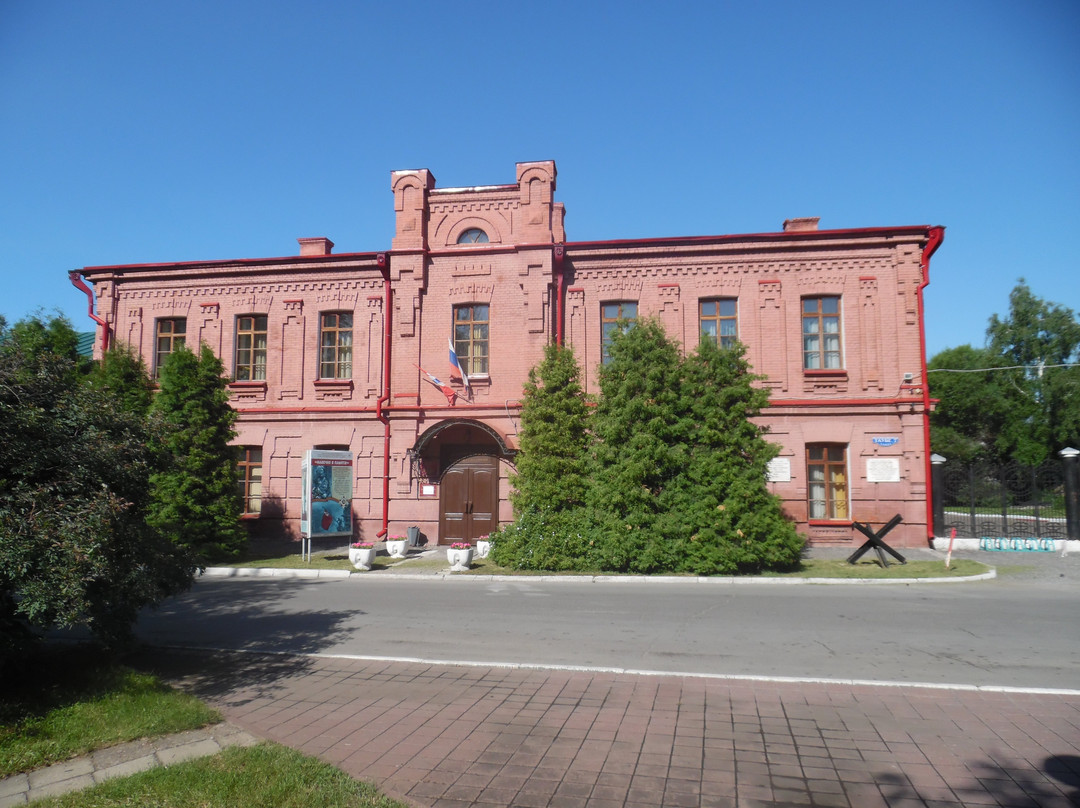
(469, 499)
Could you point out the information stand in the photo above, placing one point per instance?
(326, 497)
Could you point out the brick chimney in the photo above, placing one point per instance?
(315, 246)
(796, 225)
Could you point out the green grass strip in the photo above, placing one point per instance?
(69, 701)
(263, 776)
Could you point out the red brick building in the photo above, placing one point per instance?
(329, 351)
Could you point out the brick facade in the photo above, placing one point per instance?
(421, 460)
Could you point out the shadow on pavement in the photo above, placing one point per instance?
(212, 675)
(1014, 787)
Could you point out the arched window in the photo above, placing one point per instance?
(474, 235)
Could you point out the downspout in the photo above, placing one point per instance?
(559, 254)
(383, 260)
(76, 280)
(935, 236)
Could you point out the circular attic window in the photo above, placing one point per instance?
(474, 235)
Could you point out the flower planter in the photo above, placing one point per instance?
(459, 559)
(396, 548)
(362, 557)
(482, 548)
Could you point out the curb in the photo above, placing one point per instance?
(120, 761)
(263, 572)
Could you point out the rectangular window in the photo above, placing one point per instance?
(718, 321)
(251, 479)
(251, 348)
(471, 338)
(821, 333)
(826, 474)
(613, 317)
(335, 346)
(169, 338)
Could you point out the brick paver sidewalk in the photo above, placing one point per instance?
(442, 735)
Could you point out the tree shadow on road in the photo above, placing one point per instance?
(226, 639)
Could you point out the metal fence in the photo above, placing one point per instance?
(1003, 501)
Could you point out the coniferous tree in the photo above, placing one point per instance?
(196, 501)
(641, 429)
(720, 513)
(554, 416)
(123, 378)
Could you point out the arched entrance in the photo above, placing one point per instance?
(463, 456)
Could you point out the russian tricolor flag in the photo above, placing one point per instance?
(455, 365)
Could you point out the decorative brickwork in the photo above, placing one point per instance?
(504, 247)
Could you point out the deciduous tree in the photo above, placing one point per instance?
(1022, 400)
(75, 547)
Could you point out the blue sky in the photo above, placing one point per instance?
(153, 132)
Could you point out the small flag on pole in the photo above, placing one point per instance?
(446, 389)
(455, 365)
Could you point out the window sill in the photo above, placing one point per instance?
(829, 522)
(247, 385)
(334, 383)
(250, 517)
(839, 373)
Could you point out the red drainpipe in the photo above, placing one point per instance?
(935, 235)
(76, 280)
(383, 261)
(559, 255)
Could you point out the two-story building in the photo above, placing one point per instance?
(350, 352)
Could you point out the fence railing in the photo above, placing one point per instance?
(1007, 501)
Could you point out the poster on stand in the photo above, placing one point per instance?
(326, 507)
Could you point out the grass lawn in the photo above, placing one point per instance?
(867, 567)
(68, 701)
(263, 776)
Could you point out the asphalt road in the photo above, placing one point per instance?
(1022, 630)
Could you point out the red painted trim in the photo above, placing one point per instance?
(383, 260)
(868, 277)
(208, 305)
(338, 258)
(576, 289)
(298, 300)
(667, 285)
(775, 280)
(841, 402)
(795, 235)
(420, 408)
(76, 280)
(558, 257)
(934, 237)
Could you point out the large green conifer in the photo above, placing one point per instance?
(196, 501)
(554, 415)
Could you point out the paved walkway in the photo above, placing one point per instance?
(442, 736)
(120, 761)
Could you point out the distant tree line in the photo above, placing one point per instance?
(114, 491)
(1017, 398)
